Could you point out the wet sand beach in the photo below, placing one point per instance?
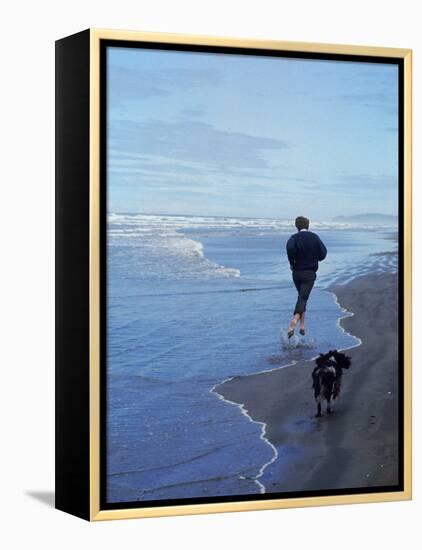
(357, 445)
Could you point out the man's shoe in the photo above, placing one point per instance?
(290, 332)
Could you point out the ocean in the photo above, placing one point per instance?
(191, 302)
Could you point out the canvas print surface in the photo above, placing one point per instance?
(252, 302)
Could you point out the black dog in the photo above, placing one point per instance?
(326, 377)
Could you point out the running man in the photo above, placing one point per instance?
(304, 250)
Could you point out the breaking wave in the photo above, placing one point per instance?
(161, 248)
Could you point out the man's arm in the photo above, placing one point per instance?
(291, 251)
(322, 253)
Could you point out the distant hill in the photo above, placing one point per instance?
(367, 218)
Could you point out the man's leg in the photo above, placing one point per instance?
(304, 281)
(292, 325)
(302, 322)
(296, 316)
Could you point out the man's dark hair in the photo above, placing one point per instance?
(301, 223)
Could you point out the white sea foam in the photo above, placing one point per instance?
(195, 222)
(262, 436)
(163, 247)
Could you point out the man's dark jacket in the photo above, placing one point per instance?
(304, 250)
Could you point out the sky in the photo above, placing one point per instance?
(237, 135)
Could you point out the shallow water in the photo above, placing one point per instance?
(191, 302)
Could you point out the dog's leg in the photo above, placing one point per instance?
(318, 414)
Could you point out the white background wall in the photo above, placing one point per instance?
(28, 32)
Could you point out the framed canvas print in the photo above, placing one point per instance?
(233, 277)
